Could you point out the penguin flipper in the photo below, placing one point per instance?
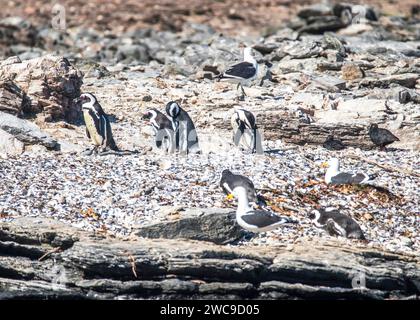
(87, 133)
(238, 135)
(258, 142)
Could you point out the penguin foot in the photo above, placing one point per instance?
(88, 152)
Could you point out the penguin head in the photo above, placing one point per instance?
(150, 114)
(87, 100)
(226, 172)
(314, 215)
(173, 109)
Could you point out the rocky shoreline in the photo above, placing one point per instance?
(319, 75)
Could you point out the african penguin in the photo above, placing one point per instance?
(162, 127)
(256, 220)
(244, 124)
(98, 127)
(230, 181)
(185, 132)
(336, 223)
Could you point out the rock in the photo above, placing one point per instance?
(50, 83)
(351, 71)
(67, 147)
(9, 145)
(12, 99)
(108, 268)
(214, 225)
(303, 50)
(329, 83)
(132, 52)
(314, 10)
(25, 131)
(335, 66)
(407, 80)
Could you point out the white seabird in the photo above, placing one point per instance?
(242, 73)
(229, 181)
(334, 176)
(256, 220)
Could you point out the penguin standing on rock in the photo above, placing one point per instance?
(98, 127)
(184, 129)
(244, 124)
(162, 126)
(336, 223)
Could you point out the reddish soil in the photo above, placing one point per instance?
(228, 16)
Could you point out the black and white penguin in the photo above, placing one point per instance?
(336, 223)
(241, 73)
(230, 181)
(256, 220)
(162, 127)
(334, 176)
(244, 124)
(98, 127)
(333, 144)
(185, 132)
(381, 137)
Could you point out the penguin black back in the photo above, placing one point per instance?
(183, 126)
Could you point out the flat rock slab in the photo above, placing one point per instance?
(25, 131)
(215, 225)
(43, 258)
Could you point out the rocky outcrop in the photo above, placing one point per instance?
(24, 131)
(12, 99)
(42, 258)
(213, 225)
(50, 84)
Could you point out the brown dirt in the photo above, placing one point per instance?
(228, 16)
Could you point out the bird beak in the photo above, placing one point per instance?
(324, 165)
(230, 197)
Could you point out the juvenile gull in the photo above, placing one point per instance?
(244, 124)
(333, 144)
(256, 220)
(241, 73)
(230, 181)
(98, 127)
(381, 137)
(334, 176)
(336, 223)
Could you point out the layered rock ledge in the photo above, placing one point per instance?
(46, 259)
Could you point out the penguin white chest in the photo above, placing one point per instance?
(95, 136)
